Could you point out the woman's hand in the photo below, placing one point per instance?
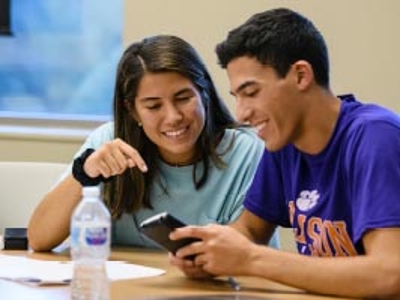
(113, 158)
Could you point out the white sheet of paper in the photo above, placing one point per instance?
(40, 272)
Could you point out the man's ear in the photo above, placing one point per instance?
(304, 74)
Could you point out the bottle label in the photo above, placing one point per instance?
(89, 235)
(96, 236)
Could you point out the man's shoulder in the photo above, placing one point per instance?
(371, 116)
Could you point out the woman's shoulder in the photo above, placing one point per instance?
(243, 135)
(243, 140)
(242, 148)
(101, 134)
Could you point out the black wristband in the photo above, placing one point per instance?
(79, 173)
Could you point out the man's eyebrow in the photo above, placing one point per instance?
(242, 87)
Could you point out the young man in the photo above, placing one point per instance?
(331, 171)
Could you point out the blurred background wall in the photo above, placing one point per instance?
(361, 35)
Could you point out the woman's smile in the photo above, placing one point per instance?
(176, 134)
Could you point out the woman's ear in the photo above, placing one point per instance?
(304, 74)
(129, 107)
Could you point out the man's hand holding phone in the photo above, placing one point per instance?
(158, 228)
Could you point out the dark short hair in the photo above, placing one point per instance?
(278, 38)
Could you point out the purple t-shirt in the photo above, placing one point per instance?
(331, 199)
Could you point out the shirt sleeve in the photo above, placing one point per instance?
(375, 177)
(95, 139)
(265, 198)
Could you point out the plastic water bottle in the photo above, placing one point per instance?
(90, 247)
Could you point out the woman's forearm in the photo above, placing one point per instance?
(50, 221)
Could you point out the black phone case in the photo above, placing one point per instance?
(158, 228)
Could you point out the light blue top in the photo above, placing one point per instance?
(220, 200)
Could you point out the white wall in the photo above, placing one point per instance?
(24, 148)
(362, 36)
(37, 140)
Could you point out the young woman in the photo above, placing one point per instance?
(173, 146)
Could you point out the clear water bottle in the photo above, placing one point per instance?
(90, 247)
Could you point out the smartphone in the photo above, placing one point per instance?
(158, 227)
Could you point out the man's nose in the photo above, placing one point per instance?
(242, 112)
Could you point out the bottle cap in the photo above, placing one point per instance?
(91, 191)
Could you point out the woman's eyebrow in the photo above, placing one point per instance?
(148, 99)
(155, 98)
(183, 91)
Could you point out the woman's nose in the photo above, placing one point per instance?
(173, 114)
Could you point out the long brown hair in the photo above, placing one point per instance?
(129, 191)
